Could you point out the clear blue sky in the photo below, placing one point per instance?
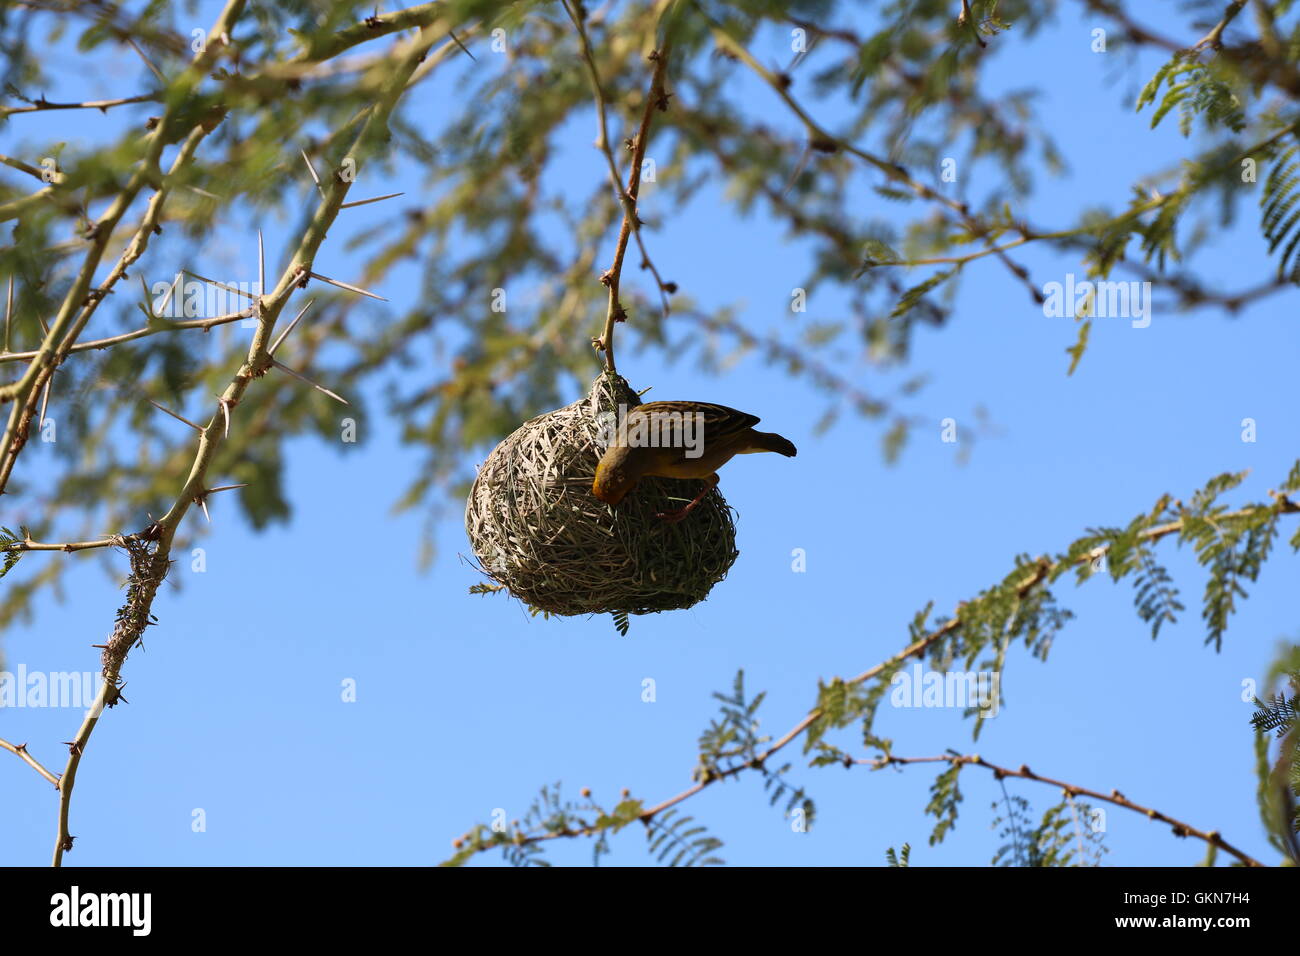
(466, 704)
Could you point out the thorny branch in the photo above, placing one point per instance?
(150, 549)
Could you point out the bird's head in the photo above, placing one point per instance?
(615, 476)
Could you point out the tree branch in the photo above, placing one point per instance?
(656, 99)
(150, 550)
(20, 750)
(1212, 837)
(37, 106)
(1043, 568)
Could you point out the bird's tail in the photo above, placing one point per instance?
(771, 441)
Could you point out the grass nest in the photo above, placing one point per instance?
(536, 528)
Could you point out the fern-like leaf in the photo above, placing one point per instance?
(677, 843)
(1280, 210)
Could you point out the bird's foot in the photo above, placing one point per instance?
(672, 517)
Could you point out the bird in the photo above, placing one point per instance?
(678, 440)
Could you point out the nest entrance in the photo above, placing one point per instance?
(536, 527)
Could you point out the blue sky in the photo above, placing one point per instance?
(465, 704)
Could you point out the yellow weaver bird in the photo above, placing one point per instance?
(678, 440)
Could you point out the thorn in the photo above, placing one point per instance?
(213, 491)
(179, 418)
(798, 170)
(202, 503)
(9, 311)
(101, 646)
(462, 46)
(171, 290)
(204, 192)
(148, 307)
(45, 400)
(364, 202)
(225, 412)
(289, 328)
(312, 169)
(221, 285)
(344, 285)
(74, 747)
(147, 62)
(261, 265)
(320, 388)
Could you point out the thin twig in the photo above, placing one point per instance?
(138, 334)
(70, 546)
(1212, 837)
(44, 104)
(33, 171)
(821, 140)
(656, 99)
(20, 750)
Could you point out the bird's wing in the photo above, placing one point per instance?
(718, 415)
(720, 422)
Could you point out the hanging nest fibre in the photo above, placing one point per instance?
(536, 528)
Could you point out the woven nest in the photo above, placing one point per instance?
(537, 529)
